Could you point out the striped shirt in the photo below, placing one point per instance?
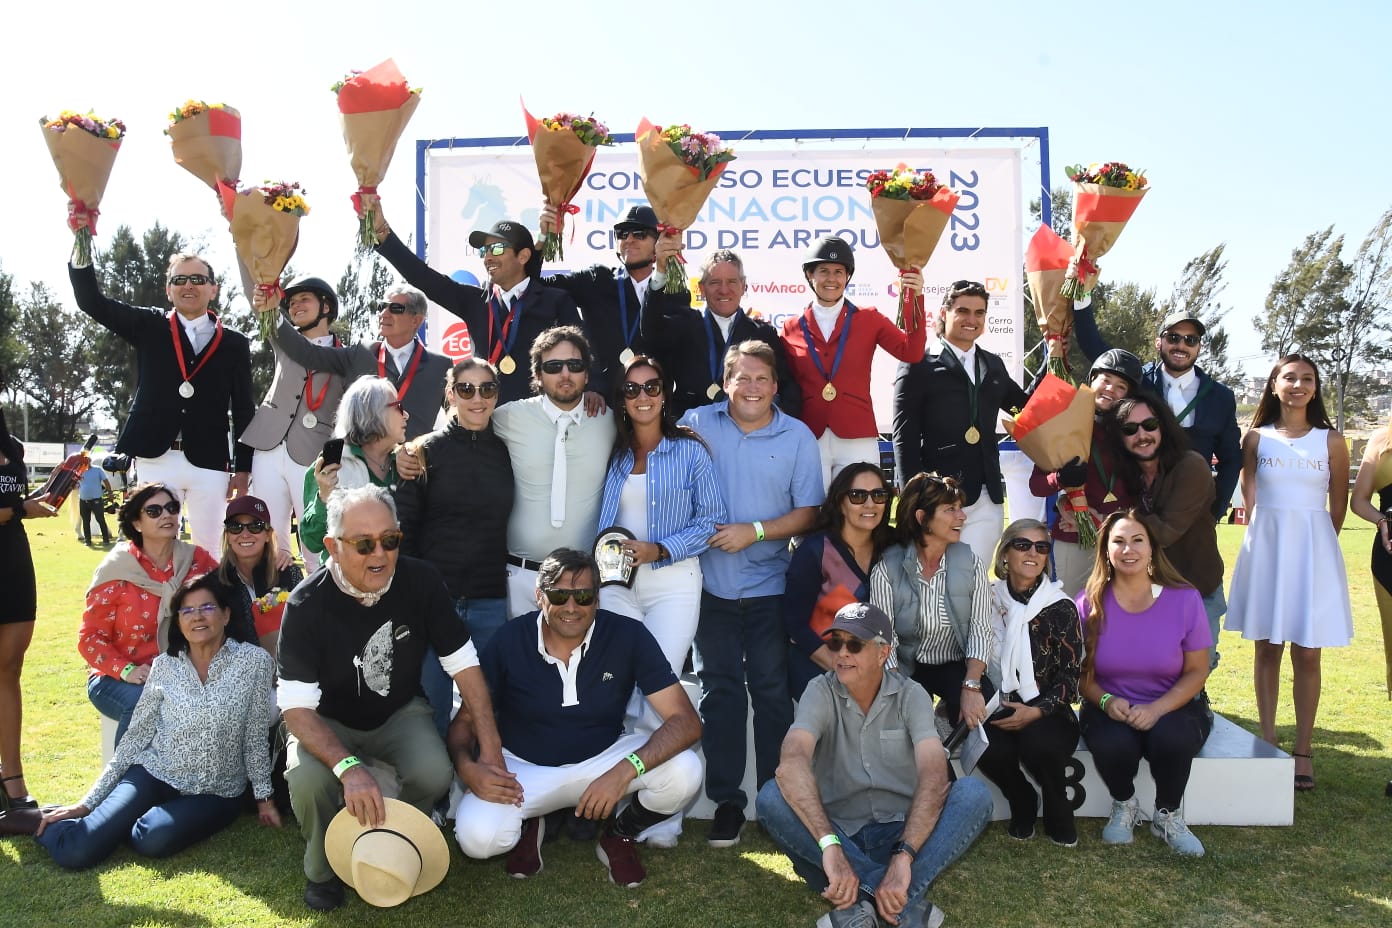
(936, 642)
(684, 500)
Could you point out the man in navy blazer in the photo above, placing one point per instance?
(191, 372)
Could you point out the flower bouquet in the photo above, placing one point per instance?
(1046, 262)
(375, 106)
(83, 148)
(268, 611)
(206, 139)
(679, 169)
(265, 228)
(564, 147)
(1054, 428)
(1104, 197)
(911, 211)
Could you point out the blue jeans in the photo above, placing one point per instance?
(964, 816)
(483, 617)
(1215, 605)
(153, 815)
(114, 699)
(741, 642)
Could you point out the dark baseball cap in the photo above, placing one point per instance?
(1178, 316)
(514, 233)
(867, 622)
(248, 506)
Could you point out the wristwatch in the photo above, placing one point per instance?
(971, 685)
(904, 847)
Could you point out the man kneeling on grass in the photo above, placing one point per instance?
(862, 802)
(561, 679)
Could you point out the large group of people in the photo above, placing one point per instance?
(457, 645)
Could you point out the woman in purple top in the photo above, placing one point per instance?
(1147, 640)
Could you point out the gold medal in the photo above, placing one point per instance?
(973, 435)
(1109, 498)
(626, 356)
(829, 392)
(507, 365)
(713, 391)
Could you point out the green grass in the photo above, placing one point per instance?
(1329, 869)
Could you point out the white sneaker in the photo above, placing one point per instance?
(1123, 821)
(1170, 826)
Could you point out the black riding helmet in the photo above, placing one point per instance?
(328, 300)
(829, 250)
(1121, 362)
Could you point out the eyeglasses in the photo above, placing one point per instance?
(651, 388)
(556, 365)
(853, 645)
(387, 306)
(859, 496)
(396, 404)
(641, 235)
(1174, 338)
(205, 610)
(154, 509)
(198, 280)
(366, 544)
(1131, 428)
(465, 390)
(493, 248)
(558, 597)
(256, 527)
(1024, 544)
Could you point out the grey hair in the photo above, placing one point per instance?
(723, 256)
(362, 413)
(565, 561)
(1012, 531)
(415, 299)
(340, 501)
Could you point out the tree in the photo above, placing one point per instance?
(1060, 211)
(10, 350)
(363, 285)
(1304, 294)
(56, 367)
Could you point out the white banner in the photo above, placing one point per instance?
(771, 204)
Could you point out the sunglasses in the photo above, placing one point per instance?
(1174, 338)
(465, 390)
(1024, 544)
(641, 235)
(198, 280)
(651, 388)
(205, 610)
(558, 597)
(966, 288)
(574, 365)
(859, 496)
(154, 509)
(256, 527)
(493, 248)
(396, 404)
(387, 306)
(390, 540)
(853, 645)
(1131, 428)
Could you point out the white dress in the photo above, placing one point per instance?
(1289, 584)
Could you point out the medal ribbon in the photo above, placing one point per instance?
(840, 347)
(312, 402)
(973, 387)
(629, 332)
(416, 355)
(1107, 479)
(508, 337)
(711, 353)
(179, 346)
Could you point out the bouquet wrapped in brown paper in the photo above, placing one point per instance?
(83, 148)
(1104, 198)
(266, 228)
(1046, 262)
(206, 139)
(564, 146)
(1054, 428)
(911, 211)
(375, 105)
(679, 169)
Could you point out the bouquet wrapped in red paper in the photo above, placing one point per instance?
(1054, 428)
(911, 211)
(1046, 263)
(564, 147)
(679, 169)
(268, 611)
(1104, 197)
(83, 148)
(375, 106)
(265, 228)
(206, 139)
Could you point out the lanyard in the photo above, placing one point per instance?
(629, 332)
(416, 354)
(712, 354)
(973, 386)
(508, 337)
(1107, 479)
(840, 347)
(179, 346)
(1203, 388)
(312, 402)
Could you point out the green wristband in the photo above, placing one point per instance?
(827, 841)
(637, 763)
(126, 672)
(1102, 703)
(758, 531)
(345, 765)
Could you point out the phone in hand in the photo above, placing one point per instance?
(1004, 712)
(333, 451)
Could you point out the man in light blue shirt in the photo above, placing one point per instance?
(769, 470)
(89, 502)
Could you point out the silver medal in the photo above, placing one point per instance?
(310, 420)
(186, 389)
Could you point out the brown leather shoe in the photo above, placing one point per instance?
(20, 822)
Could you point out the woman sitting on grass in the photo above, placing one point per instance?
(198, 733)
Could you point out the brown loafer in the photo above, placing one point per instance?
(20, 822)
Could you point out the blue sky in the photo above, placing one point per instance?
(1257, 123)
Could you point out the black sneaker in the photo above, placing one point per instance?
(325, 896)
(725, 829)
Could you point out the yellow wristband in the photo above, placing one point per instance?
(345, 765)
(637, 763)
(758, 531)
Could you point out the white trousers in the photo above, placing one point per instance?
(521, 591)
(1072, 565)
(1016, 469)
(486, 829)
(838, 452)
(983, 528)
(278, 480)
(202, 490)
